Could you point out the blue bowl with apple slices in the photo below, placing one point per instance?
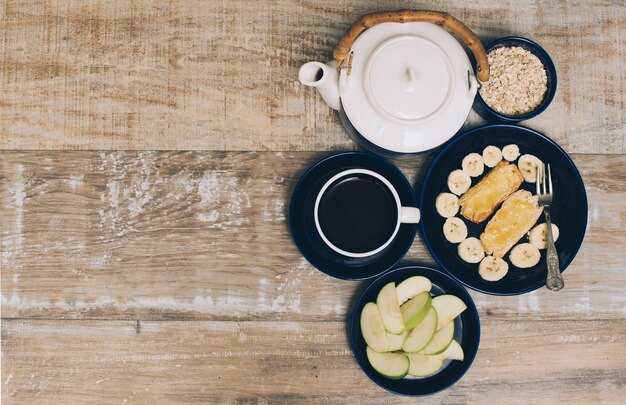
(466, 333)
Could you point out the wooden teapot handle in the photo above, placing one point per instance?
(436, 17)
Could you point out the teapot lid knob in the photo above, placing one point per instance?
(410, 72)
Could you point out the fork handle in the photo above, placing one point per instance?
(554, 282)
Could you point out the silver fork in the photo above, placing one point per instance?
(554, 282)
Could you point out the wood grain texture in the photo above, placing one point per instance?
(203, 235)
(171, 277)
(222, 75)
(294, 362)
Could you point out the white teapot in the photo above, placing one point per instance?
(401, 83)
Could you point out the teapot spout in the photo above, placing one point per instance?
(324, 77)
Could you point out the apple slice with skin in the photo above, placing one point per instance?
(453, 352)
(412, 286)
(448, 307)
(421, 335)
(441, 340)
(415, 309)
(390, 365)
(421, 365)
(394, 342)
(424, 364)
(389, 309)
(373, 329)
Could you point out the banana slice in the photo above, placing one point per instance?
(459, 182)
(524, 255)
(492, 155)
(510, 152)
(538, 236)
(455, 230)
(447, 204)
(471, 250)
(527, 164)
(493, 268)
(473, 165)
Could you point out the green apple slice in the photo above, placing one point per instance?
(394, 342)
(389, 309)
(415, 309)
(448, 307)
(454, 352)
(421, 335)
(412, 286)
(421, 365)
(441, 340)
(390, 365)
(373, 329)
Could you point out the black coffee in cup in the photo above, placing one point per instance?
(358, 213)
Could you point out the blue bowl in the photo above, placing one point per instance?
(467, 333)
(489, 113)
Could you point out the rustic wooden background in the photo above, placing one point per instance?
(148, 153)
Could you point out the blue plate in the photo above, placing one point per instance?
(308, 240)
(467, 333)
(568, 211)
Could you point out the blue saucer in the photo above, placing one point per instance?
(568, 211)
(306, 237)
(467, 333)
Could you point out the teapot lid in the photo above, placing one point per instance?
(407, 87)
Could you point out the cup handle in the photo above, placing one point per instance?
(409, 215)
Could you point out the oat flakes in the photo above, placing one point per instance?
(517, 82)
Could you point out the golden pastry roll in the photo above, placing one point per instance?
(517, 215)
(480, 201)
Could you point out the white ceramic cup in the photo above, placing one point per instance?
(406, 215)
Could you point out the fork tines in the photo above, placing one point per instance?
(544, 187)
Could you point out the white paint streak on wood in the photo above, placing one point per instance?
(235, 302)
(228, 305)
(528, 302)
(76, 181)
(223, 198)
(12, 243)
(9, 378)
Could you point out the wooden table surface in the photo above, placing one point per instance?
(148, 151)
